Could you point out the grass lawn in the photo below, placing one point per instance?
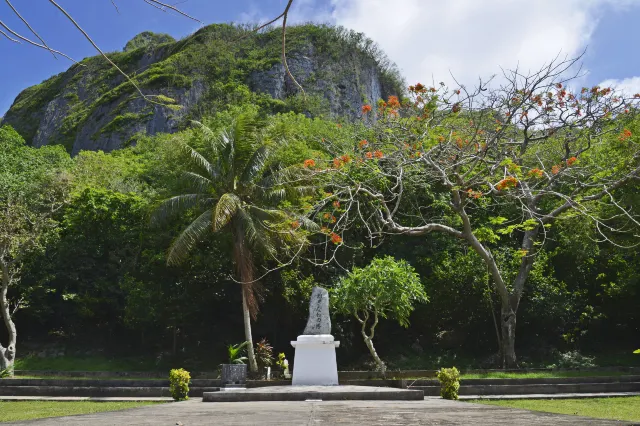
(623, 408)
(543, 374)
(11, 411)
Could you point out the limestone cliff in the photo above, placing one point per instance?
(92, 107)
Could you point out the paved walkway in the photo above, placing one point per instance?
(369, 413)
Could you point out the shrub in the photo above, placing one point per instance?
(235, 353)
(280, 361)
(179, 384)
(574, 359)
(449, 382)
(264, 354)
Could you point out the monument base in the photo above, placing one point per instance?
(315, 361)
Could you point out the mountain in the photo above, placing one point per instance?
(93, 107)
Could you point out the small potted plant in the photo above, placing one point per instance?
(234, 374)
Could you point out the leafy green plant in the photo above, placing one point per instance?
(179, 384)
(637, 351)
(236, 353)
(4, 374)
(574, 359)
(449, 382)
(280, 361)
(264, 353)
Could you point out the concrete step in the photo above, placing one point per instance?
(88, 391)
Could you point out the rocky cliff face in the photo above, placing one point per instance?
(92, 107)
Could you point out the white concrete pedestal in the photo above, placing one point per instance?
(315, 361)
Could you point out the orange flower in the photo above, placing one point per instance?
(366, 109)
(393, 102)
(556, 169)
(474, 194)
(536, 172)
(345, 159)
(309, 163)
(339, 125)
(637, 95)
(363, 143)
(295, 224)
(559, 85)
(369, 155)
(378, 154)
(456, 107)
(337, 163)
(441, 138)
(336, 204)
(458, 92)
(571, 161)
(626, 134)
(335, 238)
(507, 183)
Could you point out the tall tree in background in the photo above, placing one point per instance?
(32, 189)
(527, 153)
(239, 194)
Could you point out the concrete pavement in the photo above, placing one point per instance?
(370, 413)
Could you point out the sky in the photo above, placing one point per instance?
(429, 40)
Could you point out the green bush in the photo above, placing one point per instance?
(449, 382)
(179, 384)
(574, 359)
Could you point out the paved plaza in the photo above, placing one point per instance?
(428, 412)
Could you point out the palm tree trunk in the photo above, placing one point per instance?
(253, 365)
(244, 270)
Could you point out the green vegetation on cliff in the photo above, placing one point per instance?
(89, 106)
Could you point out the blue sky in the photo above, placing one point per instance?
(426, 38)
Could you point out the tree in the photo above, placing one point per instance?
(32, 190)
(386, 288)
(526, 154)
(238, 192)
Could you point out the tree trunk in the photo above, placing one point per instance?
(253, 365)
(368, 339)
(381, 365)
(508, 323)
(8, 354)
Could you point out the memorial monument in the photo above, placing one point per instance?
(315, 357)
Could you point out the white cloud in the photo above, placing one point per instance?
(467, 38)
(629, 86)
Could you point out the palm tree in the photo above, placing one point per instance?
(235, 192)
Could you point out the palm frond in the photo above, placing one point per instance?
(199, 160)
(255, 233)
(226, 208)
(268, 215)
(185, 242)
(175, 205)
(255, 165)
(244, 134)
(198, 182)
